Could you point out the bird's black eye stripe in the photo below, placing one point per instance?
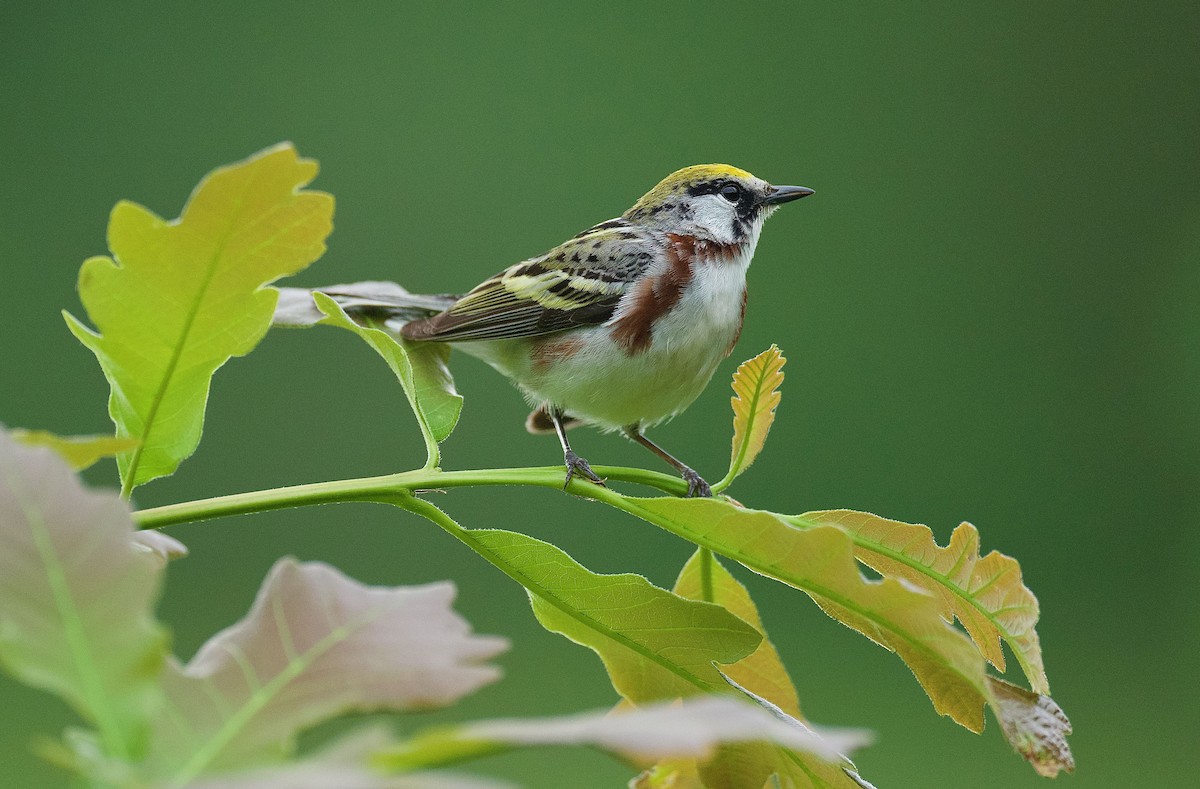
(731, 191)
(705, 188)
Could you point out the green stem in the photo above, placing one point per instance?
(706, 584)
(388, 488)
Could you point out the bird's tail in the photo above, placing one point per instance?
(381, 302)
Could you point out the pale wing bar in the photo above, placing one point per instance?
(579, 283)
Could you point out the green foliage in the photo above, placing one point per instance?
(655, 644)
(756, 396)
(422, 372)
(762, 673)
(985, 594)
(77, 584)
(80, 451)
(820, 562)
(178, 299)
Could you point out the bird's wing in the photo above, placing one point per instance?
(578, 283)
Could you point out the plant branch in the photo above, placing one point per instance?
(385, 490)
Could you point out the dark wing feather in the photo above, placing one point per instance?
(578, 283)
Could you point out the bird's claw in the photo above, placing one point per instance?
(577, 465)
(697, 487)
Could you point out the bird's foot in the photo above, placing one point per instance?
(697, 487)
(577, 465)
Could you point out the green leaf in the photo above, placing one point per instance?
(705, 578)
(763, 676)
(421, 368)
(77, 595)
(315, 644)
(820, 562)
(80, 451)
(756, 395)
(655, 645)
(986, 594)
(179, 298)
(692, 728)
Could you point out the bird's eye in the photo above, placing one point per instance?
(731, 192)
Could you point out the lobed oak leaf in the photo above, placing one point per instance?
(820, 562)
(985, 593)
(756, 396)
(77, 594)
(314, 645)
(179, 298)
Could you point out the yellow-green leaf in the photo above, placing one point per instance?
(748, 765)
(705, 578)
(820, 562)
(756, 395)
(80, 451)
(985, 593)
(421, 369)
(654, 644)
(179, 298)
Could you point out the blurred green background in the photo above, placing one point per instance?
(990, 311)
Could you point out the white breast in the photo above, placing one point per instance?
(603, 383)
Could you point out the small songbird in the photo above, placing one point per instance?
(622, 326)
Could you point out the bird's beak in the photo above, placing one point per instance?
(785, 194)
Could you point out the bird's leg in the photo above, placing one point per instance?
(697, 487)
(575, 464)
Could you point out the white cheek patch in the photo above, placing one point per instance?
(714, 216)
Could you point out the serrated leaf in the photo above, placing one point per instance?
(421, 369)
(986, 594)
(77, 596)
(79, 451)
(692, 728)
(315, 644)
(756, 396)
(820, 562)
(1035, 726)
(762, 675)
(655, 645)
(179, 298)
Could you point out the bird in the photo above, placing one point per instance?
(622, 326)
